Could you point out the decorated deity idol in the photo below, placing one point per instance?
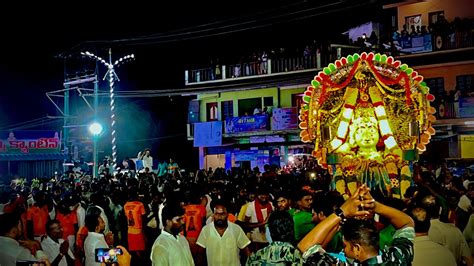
(368, 116)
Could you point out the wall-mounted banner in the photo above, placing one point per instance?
(246, 123)
(208, 134)
(29, 141)
(466, 107)
(284, 118)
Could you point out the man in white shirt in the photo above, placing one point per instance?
(446, 234)
(11, 250)
(145, 156)
(223, 240)
(55, 247)
(465, 207)
(428, 252)
(99, 200)
(171, 248)
(95, 238)
(80, 211)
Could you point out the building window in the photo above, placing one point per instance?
(193, 112)
(297, 100)
(227, 109)
(268, 101)
(249, 106)
(434, 16)
(436, 86)
(211, 111)
(464, 83)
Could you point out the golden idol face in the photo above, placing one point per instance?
(367, 134)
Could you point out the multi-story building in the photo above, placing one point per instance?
(447, 64)
(226, 125)
(249, 125)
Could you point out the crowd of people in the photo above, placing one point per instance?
(287, 216)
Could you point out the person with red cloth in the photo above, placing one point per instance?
(68, 220)
(256, 218)
(37, 216)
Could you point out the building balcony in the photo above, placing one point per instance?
(252, 70)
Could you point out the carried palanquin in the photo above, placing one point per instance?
(369, 116)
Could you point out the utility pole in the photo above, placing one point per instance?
(111, 77)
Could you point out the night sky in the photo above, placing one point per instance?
(33, 35)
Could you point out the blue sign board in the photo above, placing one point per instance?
(249, 155)
(208, 134)
(466, 107)
(246, 124)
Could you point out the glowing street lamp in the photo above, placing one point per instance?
(111, 77)
(95, 129)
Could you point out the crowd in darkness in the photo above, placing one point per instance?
(242, 216)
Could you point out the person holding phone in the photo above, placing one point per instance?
(95, 238)
(118, 256)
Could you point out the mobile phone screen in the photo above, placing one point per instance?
(107, 255)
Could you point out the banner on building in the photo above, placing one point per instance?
(467, 146)
(29, 141)
(208, 134)
(284, 118)
(246, 124)
(248, 155)
(466, 107)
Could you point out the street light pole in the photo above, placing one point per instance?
(95, 129)
(112, 76)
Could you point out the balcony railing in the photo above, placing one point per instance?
(417, 44)
(252, 69)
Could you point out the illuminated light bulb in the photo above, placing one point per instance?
(380, 111)
(132, 56)
(390, 142)
(347, 114)
(342, 129)
(384, 127)
(335, 143)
